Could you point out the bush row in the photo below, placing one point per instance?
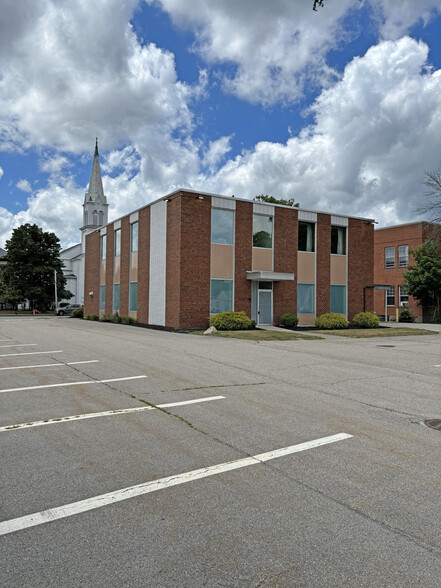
(112, 318)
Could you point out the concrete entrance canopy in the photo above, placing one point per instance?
(265, 276)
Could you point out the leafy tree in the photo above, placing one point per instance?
(31, 258)
(423, 280)
(273, 200)
(262, 239)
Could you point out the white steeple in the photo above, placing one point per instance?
(95, 202)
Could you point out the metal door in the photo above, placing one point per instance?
(265, 307)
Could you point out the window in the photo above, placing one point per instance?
(403, 255)
(134, 237)
(101, 215)
(95, 217)
(103, 247)
(102, 297)
(133, 296)
(305, 299)
(115, 296)
(222, 226)
(338, 240)
(262, 231)
(404, 296)
(390, 296)
(338, 299)
(306, 237)
(221, 299)
(389, 256)
(117, 242)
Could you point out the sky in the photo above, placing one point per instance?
(338, 108)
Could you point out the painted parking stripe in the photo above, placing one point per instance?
(30, 353)
(71, 384)
(43, 365)
(68, 510)
(93, 415)
(20, 345)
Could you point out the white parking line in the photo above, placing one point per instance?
(437, 366)
(68, 510)
(40, 365)
(20, 345)
(30, 353)
(93, 415)
(70, 384)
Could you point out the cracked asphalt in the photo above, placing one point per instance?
(363, 512)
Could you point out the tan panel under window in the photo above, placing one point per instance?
(116, 270)
(338, 269)
(306, 320)
(262, 259)
(306, 267)
(133, 314)
(222, 261)
(134, 266)
(103, 273)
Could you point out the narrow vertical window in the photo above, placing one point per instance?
(262, 231)
(305, 299)
(390, 296)
(222, 226)
(338, 299)
(115, 296)
(103, 243)
(389, 257)
(338, 240)
(404, 296)
(403, 255)
(134, 237)
(102, 297)
(133, 297)
(117, 242)
(306, 237)
(221, 298)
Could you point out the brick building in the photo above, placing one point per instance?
(174, 262)
(391, 257)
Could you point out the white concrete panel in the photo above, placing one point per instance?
(267, 209)
(117, 225)
(158, 252)
(103, 231)
(225, 203)
(310, 217)
(134, 217)
(339, 221)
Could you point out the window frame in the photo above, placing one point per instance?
(400, 263)
(214, 212)
(332, 309)
(341, 230)
(311, 224)
(390, 296)
(103, 247)
(389, 264)
(117, 243)
(299, 285)
(271, 235)
(403, 296)
(132, 232)
(133, 286)
(211, 295)
(116, 288)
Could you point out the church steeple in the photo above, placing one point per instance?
(95, 202)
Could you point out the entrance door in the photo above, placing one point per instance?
(265, 303)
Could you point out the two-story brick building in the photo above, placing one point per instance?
(180, 259)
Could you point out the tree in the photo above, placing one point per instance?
(432, 206)
(32, 255)
(423, 280)
(273, 200)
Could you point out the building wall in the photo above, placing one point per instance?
(360, 266)
(92, 274)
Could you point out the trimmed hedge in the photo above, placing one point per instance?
(331, 320)
(289, 320)
(92, 317)
(232, 321)
(366, 320)
(406, 316)
(78, 312)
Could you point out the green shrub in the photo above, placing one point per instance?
(231, 321)
(78, 312)
(128, 320)
(92, 317)
(289, 320)
(406, 316)
(106, 318)
(331, 320)
(437, 317)
(366, 320)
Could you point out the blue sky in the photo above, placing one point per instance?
(339, 108)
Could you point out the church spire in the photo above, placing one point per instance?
(95, 202)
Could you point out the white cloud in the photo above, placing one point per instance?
(24, 186)
(1, 172)
(216, 152)
(54, 164)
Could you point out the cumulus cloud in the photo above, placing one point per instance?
(24, 186)
(1, 172)
(54, 163)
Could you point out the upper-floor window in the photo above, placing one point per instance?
(117, 242)
(306, 237)
(389, 257)
(338, 240)
(134, 237)
(262, 231)
(95, 217)
(403, 255)
(103, 242)
(222, 226)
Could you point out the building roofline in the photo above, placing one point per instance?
(422, 222)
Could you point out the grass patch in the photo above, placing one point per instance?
(257, 335)
(382, 332)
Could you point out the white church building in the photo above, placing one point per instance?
(94, 215)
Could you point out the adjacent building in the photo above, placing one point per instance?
(189, 255)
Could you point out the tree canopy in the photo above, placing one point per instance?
(32, 255)
(273, 200)
(432, 204)
(423, 280)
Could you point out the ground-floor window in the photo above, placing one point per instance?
(133, 296)
(338, 299)
(102, 297)
(305, 299)
(390, 296)
(221, 299)
(115, 296)
(404, 296)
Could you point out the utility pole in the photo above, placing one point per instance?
(56, 294)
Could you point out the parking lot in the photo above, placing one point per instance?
(134, 457)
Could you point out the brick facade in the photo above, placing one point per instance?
(243, 259)
(92, 274)
(143, 264)
(285, 260)
(323, 264)
(360, 266)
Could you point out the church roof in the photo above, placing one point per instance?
(95, 192)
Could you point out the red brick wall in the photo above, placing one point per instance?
(125, 267)
(173, 263)
(143, 265)
(92, 274)
(285, 260)
(195, 261)
(243, 252)
(360, 265)
(109, 269)
(323, 264)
